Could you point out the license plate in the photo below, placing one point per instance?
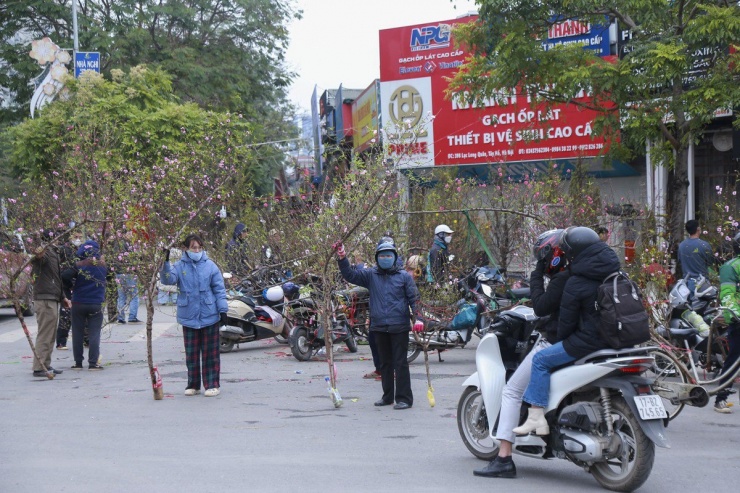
(650, 407)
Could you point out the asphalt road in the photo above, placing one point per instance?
(274, 428)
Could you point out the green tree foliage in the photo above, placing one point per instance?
(226, 55)
(134, 121)
(664, 90)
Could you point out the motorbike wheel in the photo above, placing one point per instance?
(631, 468)
(300, 347)
(351, 342)
(226, 345)
(475, 431)
(665, 369)
(481, 329)
(413, 352)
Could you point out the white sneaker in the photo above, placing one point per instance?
(212, 392)
(192, 391)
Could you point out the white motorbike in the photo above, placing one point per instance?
(603, 415)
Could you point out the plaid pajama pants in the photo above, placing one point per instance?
(202, 344)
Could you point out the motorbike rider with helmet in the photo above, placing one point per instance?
(551, 263)
(393, 299)
(437, 261)
(729, 278)
(591, 261)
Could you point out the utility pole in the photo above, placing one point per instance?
(74, 27)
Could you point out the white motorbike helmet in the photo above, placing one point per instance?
(274, 294)
(679, 294)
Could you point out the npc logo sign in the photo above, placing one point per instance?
(430, 37)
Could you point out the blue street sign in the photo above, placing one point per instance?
(86, 60)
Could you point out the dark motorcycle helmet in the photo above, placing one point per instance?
(547, 248)
(386, 239)
(385, 247)
(576, 239)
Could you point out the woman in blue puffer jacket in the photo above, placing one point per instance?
(201, 310)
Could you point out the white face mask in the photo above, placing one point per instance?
(77, 242)
(448, 239)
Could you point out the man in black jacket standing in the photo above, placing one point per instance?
(578, 327)
(393, 299)
(47, 295)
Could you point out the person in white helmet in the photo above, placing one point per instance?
(437, 263)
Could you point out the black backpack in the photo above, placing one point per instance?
(624, 320)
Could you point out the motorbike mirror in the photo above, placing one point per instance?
(486, 290)
(227, 275)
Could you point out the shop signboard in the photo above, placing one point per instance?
(415, 65)
(365, 121)
(86, 60)
(593, 37)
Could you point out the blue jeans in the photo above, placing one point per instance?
(538, 390)
(128, 296)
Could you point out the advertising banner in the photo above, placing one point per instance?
(407, 126)
(507, 128)
(572, 31)
(365, 122)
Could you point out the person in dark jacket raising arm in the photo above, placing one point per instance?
(551, 262)
(393, 299)
(578, 327)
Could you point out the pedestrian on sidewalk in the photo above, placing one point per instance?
(67, 258)
(47, 295)
(87, 279)
(127, 282)
(201, 310)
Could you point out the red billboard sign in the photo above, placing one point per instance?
(415, 63)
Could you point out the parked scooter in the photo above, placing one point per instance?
(440, 335)
(247, 321)
(490, 283)
(603, 415)
(691, 314)
(307, 334)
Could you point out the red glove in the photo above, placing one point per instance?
(418, 326)
(339, 248)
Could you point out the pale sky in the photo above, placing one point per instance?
(336, 42)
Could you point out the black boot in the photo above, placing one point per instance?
(500, 467)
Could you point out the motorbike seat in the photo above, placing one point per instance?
(613, 353)
(248, 300)
(685, 332)
(520, 293)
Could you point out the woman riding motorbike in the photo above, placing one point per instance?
(551, 262)
(591, 261)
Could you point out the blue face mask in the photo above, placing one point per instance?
(195, 256)
(386, 262)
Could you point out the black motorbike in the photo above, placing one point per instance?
(682, 329)
(307, 333)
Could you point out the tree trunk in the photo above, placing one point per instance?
(157, 387)
(678, 183)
